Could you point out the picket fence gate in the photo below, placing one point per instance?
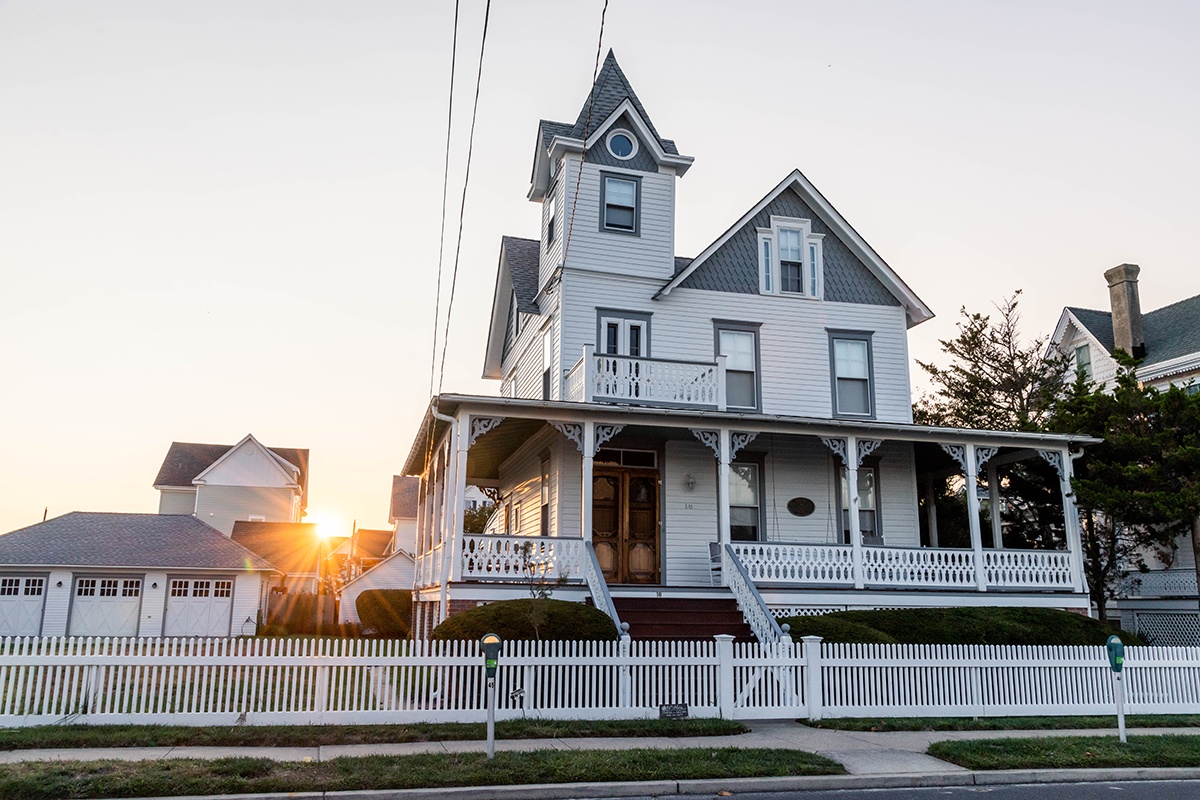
(307, 682)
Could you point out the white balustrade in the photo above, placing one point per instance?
(749, 601)
(1161, 583)
(923, 567)
(1028, 569)
(522, 558)
(822, 564)
(607, 378)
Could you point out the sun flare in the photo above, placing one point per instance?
(329, 523)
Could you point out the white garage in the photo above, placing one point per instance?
(22, 601)
(106, 606)
(126, 575)
(198, 607)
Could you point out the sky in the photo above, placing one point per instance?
(220, 218)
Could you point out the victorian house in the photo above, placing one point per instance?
(677, 435)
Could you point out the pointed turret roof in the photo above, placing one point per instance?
(609, 90)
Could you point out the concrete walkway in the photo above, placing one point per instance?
(862, 753)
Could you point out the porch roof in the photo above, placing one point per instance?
(561, 411)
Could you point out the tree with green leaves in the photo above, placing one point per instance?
(995, 380)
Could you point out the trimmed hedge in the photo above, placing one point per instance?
(1039, 626)
(559, 620)
(386, 612)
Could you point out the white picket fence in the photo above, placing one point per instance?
(290, 681)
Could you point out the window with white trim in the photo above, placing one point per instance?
(619, 204)
(853, 394)
(743, 502)
(790, 258)
(10, 586)
(624, 336)
(547, 358)
(86, 587)
(34, 586)
(551, 217)
(739, 345)
(868, 507)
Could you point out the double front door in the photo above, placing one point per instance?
(625, 524)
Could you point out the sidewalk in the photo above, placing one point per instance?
(873, 760)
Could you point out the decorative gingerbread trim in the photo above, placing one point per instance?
(572, 431)
(710, 438)
(958, 452)
(481, 426)
(606, 432)
(737, 441)
(838, 446)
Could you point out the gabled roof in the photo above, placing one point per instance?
(187, 460)
(915, 308)
(406, 491)
(1171, 332)
(516, 275)
(293, 547)
(370, 543)
(96, 539)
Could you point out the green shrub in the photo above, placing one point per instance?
(1009, 626)
(515, 619)
(387, 612)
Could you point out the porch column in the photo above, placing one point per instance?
(931, 512)
(723, 459)
(588, 448)
(420, 549)
(856, 551)
(971, 467)
(994, 508)
(1071, 519)
(458, 496)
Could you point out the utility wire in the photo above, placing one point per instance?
(437, 302)
(587, 126)
(463, 204)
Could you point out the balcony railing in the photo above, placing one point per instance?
(904, 567)
(651, 381)
(1161, 583)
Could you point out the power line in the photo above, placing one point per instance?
(437, 302)
(463, 204)
(587, 126)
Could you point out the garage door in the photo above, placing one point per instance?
(106, 607)
(199, 607)
(21, 601)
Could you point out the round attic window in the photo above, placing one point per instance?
(622, 144)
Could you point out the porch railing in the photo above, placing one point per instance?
(907, 567)
(522, 558)
(1161, 583)
(628, 379)
(596, 584)
(749, 601)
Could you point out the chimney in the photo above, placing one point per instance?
(1126, 309)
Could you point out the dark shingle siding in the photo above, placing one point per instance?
(522, 256)
(642, 160)
(734, 266)
(1171, 331)
(94, 539)
(405, 494)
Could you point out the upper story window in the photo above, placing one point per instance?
(547, 361)
(624, 334)
(622, 144)
(739, 345)
(619, 203)
(790, 258)
(1083, 361)
(551, 217)
(853, 387)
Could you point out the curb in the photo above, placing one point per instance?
(569, 791)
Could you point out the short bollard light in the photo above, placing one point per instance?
(1116, 662)
(491, 644)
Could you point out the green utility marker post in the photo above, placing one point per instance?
(491, 659)
(1116, 661)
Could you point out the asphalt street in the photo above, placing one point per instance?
(1125, 790)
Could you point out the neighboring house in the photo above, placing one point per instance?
(294, 548)
(104, 574)
(220, 484)
(1162, 603)
(397, 568)
(741, 419)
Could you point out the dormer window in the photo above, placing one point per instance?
(619, 204)
(622, 144)
(790, 258)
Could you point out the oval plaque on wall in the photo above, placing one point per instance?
(801, 506)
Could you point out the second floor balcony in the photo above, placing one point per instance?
(637, 380)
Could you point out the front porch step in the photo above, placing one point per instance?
(669, 618)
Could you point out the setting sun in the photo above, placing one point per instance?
(329, 523)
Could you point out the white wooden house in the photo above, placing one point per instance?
(1161, 603)
(736, 426)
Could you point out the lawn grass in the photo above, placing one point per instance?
(1071, 751)
(75, 736)
(173, 777)
(1007, 723)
